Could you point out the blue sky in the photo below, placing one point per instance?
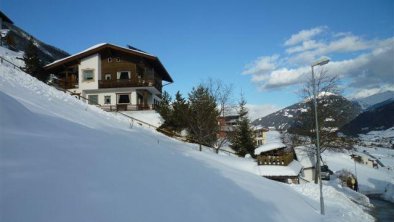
(263, 48)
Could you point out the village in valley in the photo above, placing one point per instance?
(96, 136)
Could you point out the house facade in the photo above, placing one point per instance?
(277, 162)
(227, 125)
(114, 77)
(307, 157)
(260, 135)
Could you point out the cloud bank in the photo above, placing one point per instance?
(366, 64)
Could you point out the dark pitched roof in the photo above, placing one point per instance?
(5, 18)
(99, 47)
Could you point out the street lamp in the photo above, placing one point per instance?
(320, 62)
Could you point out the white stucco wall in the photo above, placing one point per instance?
(93, 63)
(113, 94)
(309, 174)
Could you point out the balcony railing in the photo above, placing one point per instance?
(118, 83)
(283, 159)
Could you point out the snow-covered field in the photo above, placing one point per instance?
(64, 160)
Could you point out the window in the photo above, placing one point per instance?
(109, 59)
(88, 74)
(108, 77)
(124, 98)
(123, 75)
(107, 99)
(93, 99)
(118, 59)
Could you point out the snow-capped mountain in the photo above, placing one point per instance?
(287, 117)
(375, 99)
(378, 117)
(20, 38)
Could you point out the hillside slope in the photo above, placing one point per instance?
(287, 117)
(46, 52)
(378, 117)
(64, 160)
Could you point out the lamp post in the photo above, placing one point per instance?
(318, 167)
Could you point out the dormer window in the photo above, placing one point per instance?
(88, 74)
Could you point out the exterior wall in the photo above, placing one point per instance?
(113, 94)
(260, 137)
(308, 174)
(114, 66)
(94, 63)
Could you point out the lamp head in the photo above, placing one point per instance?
(321, 62)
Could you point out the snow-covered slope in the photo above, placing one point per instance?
(288, 117)
(63, 160)
(46, 52)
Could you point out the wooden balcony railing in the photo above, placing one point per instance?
(284, 159)
(118, 83)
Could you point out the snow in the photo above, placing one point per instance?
(64, 160)
(12, 56)
(370, 180)
(293, 169)
(149, 116)
(334, 200)
(268, 147)
(389, 193)
(273, 142)
(305, 156)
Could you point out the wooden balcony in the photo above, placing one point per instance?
(119, 83)
(282, 159)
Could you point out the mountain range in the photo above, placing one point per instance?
(288, 117)
(20, 39)
(378, 117)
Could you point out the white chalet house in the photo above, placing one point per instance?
(114, 77)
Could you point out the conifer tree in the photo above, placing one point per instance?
(180, 113)
(202, 117)
(164, 109)
(33, 64)
(243, 139)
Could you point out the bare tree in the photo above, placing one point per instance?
(333, 112)
(223, 96)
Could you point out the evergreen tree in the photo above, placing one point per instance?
(33, 64)
(179, 116)
(202, 117)
(243, 139)
(164, 109)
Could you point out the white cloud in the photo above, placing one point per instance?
(303, 35)
(368, 64)
(258, 111)
(362, 93)
(262, 65)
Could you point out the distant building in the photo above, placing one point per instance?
(260, 135)
(277, 162)
(227, 125)
(114, 77)
(307, 157)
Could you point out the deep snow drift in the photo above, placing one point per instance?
(64, 160)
